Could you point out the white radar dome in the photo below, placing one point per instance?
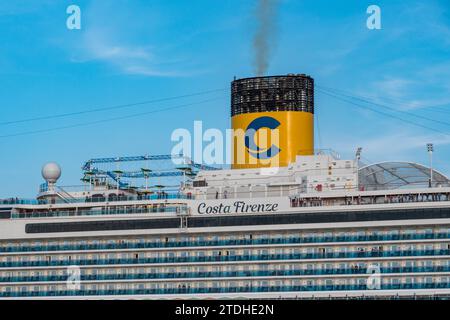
(51, 172)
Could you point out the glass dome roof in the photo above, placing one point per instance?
(395, 175)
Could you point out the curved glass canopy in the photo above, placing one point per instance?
(395, 175)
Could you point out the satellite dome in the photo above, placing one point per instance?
(51, 172)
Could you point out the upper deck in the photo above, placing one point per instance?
(180, 204)
(321, 182)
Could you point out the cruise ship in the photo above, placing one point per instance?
(309, 225)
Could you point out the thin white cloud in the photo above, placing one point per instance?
(147, 71)
(406, 94)
(127, 49)
(116, 52)
(394, 146)
(101, 45)
(424, 20)
(409, 81)
(394, 88)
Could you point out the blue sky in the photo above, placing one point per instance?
(132, 51)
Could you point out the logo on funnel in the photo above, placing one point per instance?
(252, 148)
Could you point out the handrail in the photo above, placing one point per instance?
(11, 248)
(227, 258)
(301, 200)
(226, 274)
(165, 196)
(67, 197)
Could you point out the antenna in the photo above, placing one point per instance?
(358, 153)
(430, 149)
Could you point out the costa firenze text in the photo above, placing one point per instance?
(237, 207)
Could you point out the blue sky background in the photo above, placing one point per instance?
(132, 51)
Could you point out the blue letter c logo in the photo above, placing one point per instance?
(252, 148)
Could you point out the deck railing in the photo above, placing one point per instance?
(187, 289)
(161, 196)
(229, 258)
(225, 274)
(157, 243)
(317, 201)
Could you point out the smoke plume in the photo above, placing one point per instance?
(264, 40)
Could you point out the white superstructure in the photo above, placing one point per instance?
(309, 174)
(309, 230)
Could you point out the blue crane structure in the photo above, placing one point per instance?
(189, 168)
